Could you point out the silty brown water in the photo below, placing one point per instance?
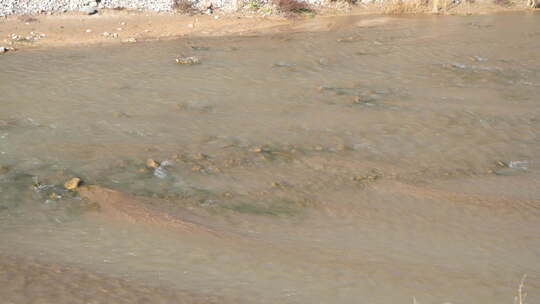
(362, 164)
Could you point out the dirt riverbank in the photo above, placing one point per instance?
(111, 27)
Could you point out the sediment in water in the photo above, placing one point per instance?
(120, 206)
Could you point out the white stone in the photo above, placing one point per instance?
(88, 10)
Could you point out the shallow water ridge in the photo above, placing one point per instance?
(390, 163)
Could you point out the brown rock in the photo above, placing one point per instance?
(72, 184)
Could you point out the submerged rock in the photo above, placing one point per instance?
(259, 149)
(200, 48)
(510, 171)
(72, 184)
(4, 169)
(159, 172)
(458, 65)
(188, 60)
(512, 168)
(365, 100)
(200, 156)
(337, 91)
(283, 65)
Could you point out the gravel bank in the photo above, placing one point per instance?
(21, 7)
(8, 7)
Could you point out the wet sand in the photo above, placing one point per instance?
(24, 279)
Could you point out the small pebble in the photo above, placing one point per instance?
(200, 156)
(150, 163)
(53, 195)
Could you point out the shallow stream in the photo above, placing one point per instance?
(391, 163)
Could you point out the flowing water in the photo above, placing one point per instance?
(382, 160)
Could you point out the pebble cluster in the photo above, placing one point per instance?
(9, 43)
(8, 7)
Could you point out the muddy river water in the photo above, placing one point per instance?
(382, 160)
